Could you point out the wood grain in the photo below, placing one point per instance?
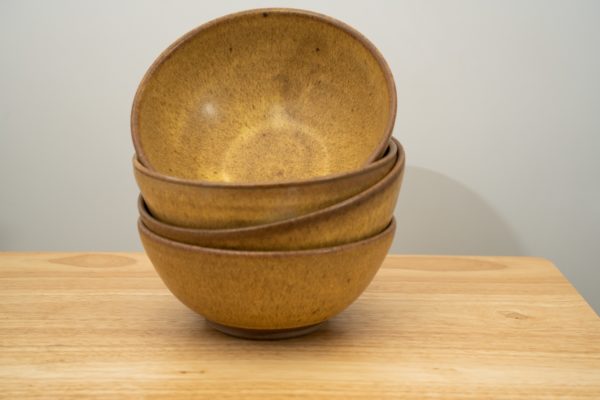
(104, 326)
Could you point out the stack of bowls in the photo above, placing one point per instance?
(267, 171)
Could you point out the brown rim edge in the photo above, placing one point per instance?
(393, 146)
(143, 230)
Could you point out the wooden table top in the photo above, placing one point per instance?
(104, 325)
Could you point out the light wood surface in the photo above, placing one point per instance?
(104, 325)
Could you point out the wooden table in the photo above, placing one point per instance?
(103, 325)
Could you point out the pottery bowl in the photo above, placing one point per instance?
(353, 219)
(267, 291)
(270, 95)
(206, 205)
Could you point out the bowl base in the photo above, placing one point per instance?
(265, 334)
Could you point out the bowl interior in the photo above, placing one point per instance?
(264, 96)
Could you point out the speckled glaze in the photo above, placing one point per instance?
(207, 205)
(267, 290)
(269, 95)
(353, 219)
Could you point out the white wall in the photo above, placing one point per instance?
(499, 110)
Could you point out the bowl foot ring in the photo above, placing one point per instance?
(265, 334)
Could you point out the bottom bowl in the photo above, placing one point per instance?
(267, 294)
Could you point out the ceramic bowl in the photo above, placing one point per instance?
(208, 205)
(268, 95)
(267, 294)
(356, 218)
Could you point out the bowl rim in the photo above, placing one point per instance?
(169, 51)
(393, 149)
(145, 231)
(371, 191)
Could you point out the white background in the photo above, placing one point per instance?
(498, 108)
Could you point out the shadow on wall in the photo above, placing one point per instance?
(438, 215)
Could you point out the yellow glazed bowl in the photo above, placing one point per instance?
(208, 205)
(269, 95)
(267, 294)
(353, 219)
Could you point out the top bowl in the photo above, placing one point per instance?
(261, 96)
